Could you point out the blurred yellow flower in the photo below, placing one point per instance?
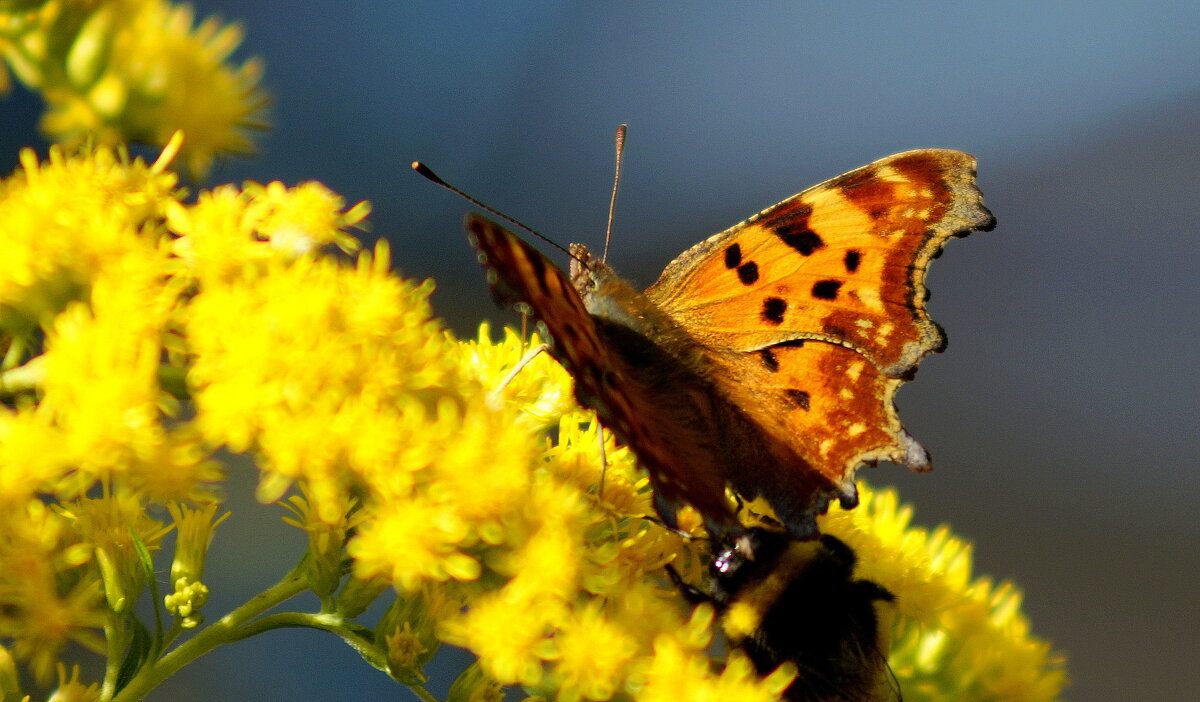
(117, 71)
(593, 654)
(47, 599)
(72, 217)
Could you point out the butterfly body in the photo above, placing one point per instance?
(691, 387)
(766, 357)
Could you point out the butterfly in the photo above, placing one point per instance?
(767, 357)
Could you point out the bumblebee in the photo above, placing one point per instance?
(781, 599)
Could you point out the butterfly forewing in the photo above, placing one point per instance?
(681, 461)
(843, 261)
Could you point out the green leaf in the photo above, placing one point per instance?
(140, 646)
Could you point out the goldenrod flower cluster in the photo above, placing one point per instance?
(142, 332)
(117, 71)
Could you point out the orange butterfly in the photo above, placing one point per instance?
(766, 357)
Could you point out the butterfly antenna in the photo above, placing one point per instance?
(435, 178)
(612, 203)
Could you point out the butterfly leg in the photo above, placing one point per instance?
(494, 396)
(691, 593)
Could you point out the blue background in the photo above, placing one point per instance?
(1062, 420)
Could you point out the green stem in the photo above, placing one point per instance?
(114, 637)
(356, 636)
(422, 694)
(227, 629)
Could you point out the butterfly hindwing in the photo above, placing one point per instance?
(833, 432)
(843, 261)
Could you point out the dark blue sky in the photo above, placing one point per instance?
(1062, 418)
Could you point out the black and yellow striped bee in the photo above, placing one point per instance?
(782, 599)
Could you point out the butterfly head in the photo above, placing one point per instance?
(605, 293)
(584, 268)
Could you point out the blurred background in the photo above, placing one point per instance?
(1062, 419)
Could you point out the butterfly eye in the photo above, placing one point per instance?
(585, 284)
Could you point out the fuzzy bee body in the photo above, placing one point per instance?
(798, 601)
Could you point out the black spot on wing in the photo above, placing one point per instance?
(773, 309)
(826, 289)
(769, 361)
(799, 398)
(806, 242)
(851, 260)
(791, 226)
(748, 273)
(733, 256)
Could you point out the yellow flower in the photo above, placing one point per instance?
(217, 240)
(483, 472)
(67, 220)
(102, 363)
(593, 653)
(405, 653)
(546, 566)
(301, 219)
(49, 600)
(321, 367)
(541, 390)
(194, 531)
(506, 633)
(32, 455)
(675, 673)
(408, 630)
(231, 233)
(108, 525)
(739, 681)
(178, 468)
(71, 690)
(407, 546)
(136, 70)
(954, 638)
